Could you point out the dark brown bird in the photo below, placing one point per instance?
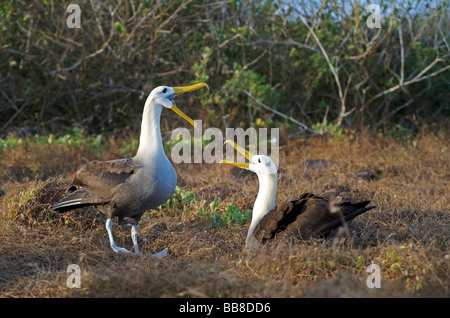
(126, 188)
(310, 216)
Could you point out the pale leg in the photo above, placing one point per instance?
(134, 234)
(161, 254)
(114, 247)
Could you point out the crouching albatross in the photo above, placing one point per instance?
(126, 188)
(310, 216)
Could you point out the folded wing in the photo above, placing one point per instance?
(94, 182)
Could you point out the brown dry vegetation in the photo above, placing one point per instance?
(406, 235)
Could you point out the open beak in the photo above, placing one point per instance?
(180, 113)
(180, 91)
(248, 155)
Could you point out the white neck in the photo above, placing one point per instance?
(150, 142)
(265, 201)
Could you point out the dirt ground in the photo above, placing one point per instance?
(406, 235)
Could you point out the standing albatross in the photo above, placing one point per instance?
(310, 216)
(126, 188)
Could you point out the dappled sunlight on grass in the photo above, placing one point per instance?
(204, 225)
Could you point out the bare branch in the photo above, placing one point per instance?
(332, 69)
(279, 113)
(416, 79)
(402, 53)
(99, 51)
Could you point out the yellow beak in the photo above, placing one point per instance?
(237, 164)
(248, 155)
(184, 89)
(181, 91)
(180, 113)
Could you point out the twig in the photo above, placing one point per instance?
(279, 113)
(370, 45)
(289, 42)
(436, 60)
(316, 20)
(173, 15)
(399, 108)
(10, 101)
(99, 51)
(66, 69)
(19, 111)
(402, 53)
(141, 21)
(416, 79)
(393, 112)
(324, 120)
(246, 66)
(332, 69)
(228, 40)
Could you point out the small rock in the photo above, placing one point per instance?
(367, 174)
(318, 164)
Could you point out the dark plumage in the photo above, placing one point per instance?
(311, 216)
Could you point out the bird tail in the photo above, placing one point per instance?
(356, 209)
(74, 200)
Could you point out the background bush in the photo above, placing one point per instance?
(265, 61)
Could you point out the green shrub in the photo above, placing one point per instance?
(231, 216)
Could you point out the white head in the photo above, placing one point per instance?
(262, 165)
(164, 96)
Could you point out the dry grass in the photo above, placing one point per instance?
(406, 235)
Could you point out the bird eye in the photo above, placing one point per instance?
(164, 90)
(259, 160)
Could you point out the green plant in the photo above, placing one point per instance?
(214, 204)
(10, 143)
(128, 149)
(73, 138)
(329, 128)
(181, 202)
(401, 133)
(231, 216)
(184, 142)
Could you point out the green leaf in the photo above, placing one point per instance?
(118, 26)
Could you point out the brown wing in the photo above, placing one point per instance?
(279, 218)
(315, 221)
(104, 173)
(94, 181)
(270, 223)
